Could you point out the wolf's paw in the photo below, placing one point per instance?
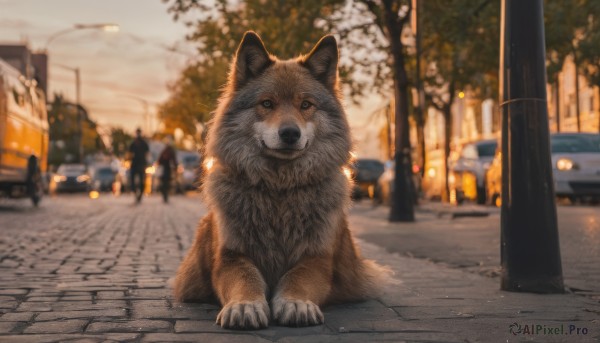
(295, 312)
(247, 315)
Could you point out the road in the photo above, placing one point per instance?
(473, 243)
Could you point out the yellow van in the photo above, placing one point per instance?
(23, 135)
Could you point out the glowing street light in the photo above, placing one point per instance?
(107, 27)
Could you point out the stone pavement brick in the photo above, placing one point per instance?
(203, 337)
(149, 294)
(276, 333)
(43, 299)
(17, 317)
(110, 295)
(64, 326)
(82, 297)
(143, 309)
(187, 326)
(16, 291)
(104, 314)
(9, 326)
(34, 307)
(110, 337)
(129, 326)
(397, 337)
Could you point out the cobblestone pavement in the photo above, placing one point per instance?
(78, 269)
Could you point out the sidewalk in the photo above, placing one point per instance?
(98, 272)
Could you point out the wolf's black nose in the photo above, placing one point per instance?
(289, 134)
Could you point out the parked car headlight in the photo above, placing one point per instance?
(59, 178)
(83, 178)
(566, 164)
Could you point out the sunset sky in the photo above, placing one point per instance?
(116, 67)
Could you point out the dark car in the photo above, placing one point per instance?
(365, 173)
(71, 178)
(103, 178)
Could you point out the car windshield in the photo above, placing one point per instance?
(575, 144)
(369, 164)
(104, 172)
(71, 169)
(191, 161)
(487, 149)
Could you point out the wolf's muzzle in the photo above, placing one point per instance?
(289, 134)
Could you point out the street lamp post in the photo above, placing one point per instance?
(108, 27)
(78, 105)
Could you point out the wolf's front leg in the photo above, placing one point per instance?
(241, 290)
(300, 292)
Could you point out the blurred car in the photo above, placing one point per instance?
(103, 178)
(493, 180)
(576, 165)
(189, 170)
(71, 178)
(385, 183)
(575, 168)
(365, 173)
(467, 171)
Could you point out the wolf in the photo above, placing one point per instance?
(275, 244)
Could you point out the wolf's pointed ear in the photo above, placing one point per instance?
(322, 61)
(251, 59)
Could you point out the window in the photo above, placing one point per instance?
(575, 144)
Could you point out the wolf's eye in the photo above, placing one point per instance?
(305, 105)
(267, 104)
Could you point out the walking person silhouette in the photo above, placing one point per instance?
(139, 150)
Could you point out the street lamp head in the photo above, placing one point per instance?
(108, 27)
(111, 28)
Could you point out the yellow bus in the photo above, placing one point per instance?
(23, 135)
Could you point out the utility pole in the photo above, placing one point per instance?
(147, 126)
(78, 107)
(79, 112)
(530, 252)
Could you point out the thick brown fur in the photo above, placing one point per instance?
(276, 244)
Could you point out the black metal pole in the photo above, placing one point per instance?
(80, 152)
(530, 251)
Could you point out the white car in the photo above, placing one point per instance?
(576, 165)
